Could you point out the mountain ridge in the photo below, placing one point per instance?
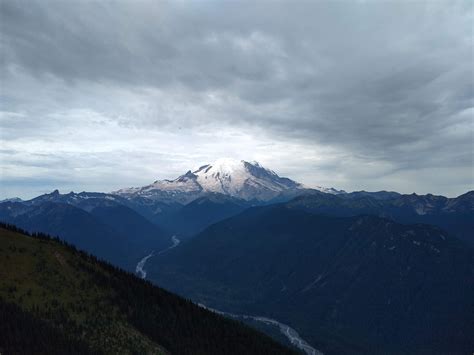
(359, 284)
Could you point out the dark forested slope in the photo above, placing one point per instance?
(360, 284)
(71, 300)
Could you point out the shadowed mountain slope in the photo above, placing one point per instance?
(106, 229)
(359, 284)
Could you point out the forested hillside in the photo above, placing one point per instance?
(358, 285)
(55, 298)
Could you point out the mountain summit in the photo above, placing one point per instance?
(242, 179)
(236, 178)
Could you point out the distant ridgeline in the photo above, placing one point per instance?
(55, 299)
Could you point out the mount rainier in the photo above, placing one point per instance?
(235, 178)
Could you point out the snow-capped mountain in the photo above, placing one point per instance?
(236, 178)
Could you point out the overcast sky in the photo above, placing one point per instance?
(354, 95)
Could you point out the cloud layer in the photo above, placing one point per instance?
(356, 95)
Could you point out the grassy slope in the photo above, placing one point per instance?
(110, 310)
(46, 277)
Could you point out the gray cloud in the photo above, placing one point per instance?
(362, 94)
